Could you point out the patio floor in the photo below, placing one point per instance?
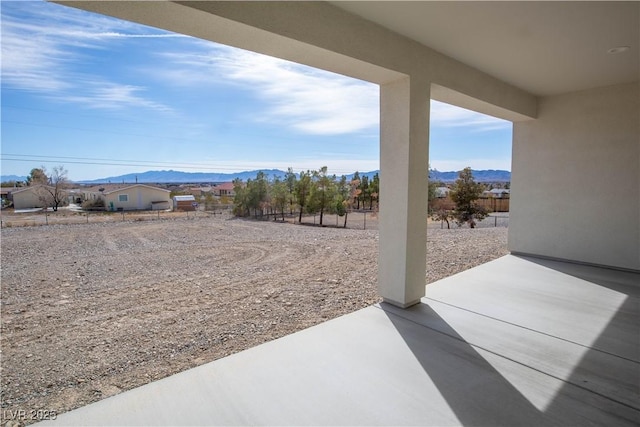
(517, 341)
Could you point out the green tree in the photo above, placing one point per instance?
(279, 196)
(290, 180)
(323, 191)
(241, 198)
(256, 194)
(364, 191)
(464, 194)
(302, 190)
(374, 190)
(12, 184)
(38, 176)
(358, 180)
(346, 194)
(341, 194)
(432, 188)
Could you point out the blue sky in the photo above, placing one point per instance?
(104, 97)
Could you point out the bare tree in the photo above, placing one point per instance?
(53, 193)
(443, 215)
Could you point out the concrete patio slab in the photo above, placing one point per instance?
(514, 342)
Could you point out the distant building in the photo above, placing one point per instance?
(36, 196)
(128, 197)
(224, 189)
(499, 193)
(442, 192)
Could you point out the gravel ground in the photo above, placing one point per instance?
(90, 310)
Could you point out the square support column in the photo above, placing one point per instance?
(404, 170)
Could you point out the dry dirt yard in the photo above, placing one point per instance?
(90, 310)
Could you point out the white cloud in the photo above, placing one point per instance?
(30, 63)
(40, 53)
(106, 95)
(309, 100)
(334, 166)
(446, 115)
(115, 35)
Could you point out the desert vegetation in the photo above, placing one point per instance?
(310, 192)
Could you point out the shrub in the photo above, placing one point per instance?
(97, 204)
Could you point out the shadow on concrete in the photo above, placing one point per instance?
(626, 282)
(476, 392)
(611, 380)
(602, 389)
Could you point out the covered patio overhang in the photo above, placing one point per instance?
(567, 108)
(521, 341)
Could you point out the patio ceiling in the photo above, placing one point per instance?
(545, 48)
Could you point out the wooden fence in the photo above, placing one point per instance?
(491, 204)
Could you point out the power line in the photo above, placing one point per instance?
(141, 163)
(176, 165)
(120, 161)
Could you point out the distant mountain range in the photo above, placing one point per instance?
(16, 178)
(489, 175)
(172, 176)
(177, 177)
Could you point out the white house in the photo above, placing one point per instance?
(36, 196)
(129, 197)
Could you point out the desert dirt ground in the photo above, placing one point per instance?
(90, 310)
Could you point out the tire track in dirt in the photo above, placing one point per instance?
(98, 308)
(146, 243)
(109, 242)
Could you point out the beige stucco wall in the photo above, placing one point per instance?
(576, 178)
(139, 197)
(28, 199)
(34, 197)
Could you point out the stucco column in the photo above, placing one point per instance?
(404, 169)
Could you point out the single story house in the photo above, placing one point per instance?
(6, 192)
(131, 197)
(500, 193)
(76, 195)
(224, 189)
(37, 196)
(194, 191)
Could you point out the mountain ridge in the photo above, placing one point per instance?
(171, 176)
(179, 177)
